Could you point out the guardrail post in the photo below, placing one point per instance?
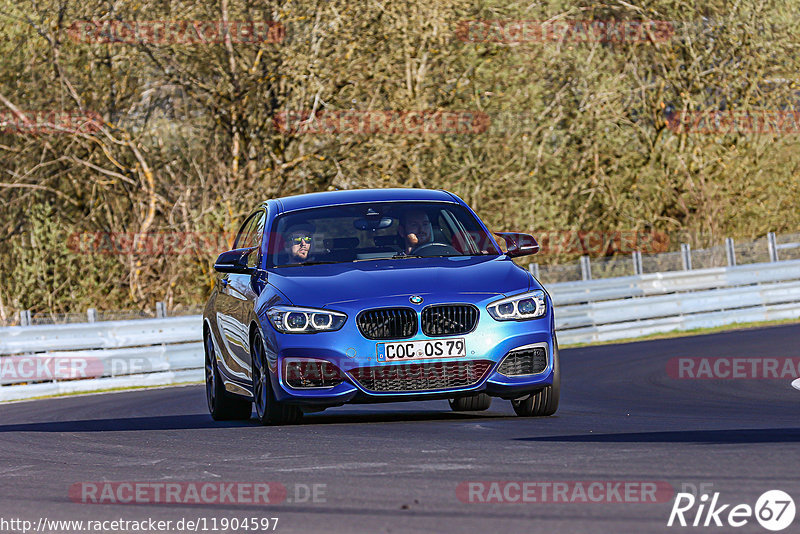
(686, 256)
(91, 314)
(161, 310)
(730, 252)
(773, 247)
(637, 262)
(586, 268)
(534, 269)
(25, 318)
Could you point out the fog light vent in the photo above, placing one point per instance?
(307, 374)
(526, 361)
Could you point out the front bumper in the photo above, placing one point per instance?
(489, 342)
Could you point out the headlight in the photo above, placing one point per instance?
(530, 305)
(294, 320)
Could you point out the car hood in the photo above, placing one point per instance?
(323, 285)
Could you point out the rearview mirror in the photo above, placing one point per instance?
(235, 261)
(518, 244)
(372, 223)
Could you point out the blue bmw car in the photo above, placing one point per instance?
(368, 296)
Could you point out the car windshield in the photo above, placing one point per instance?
(377, 231)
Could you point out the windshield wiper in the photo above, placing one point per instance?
(308, 263)
(403, 255)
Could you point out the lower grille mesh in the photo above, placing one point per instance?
(524, 362)
(421, 376)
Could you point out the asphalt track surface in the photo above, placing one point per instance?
(396, 467)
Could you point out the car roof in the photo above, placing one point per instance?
(354, 196)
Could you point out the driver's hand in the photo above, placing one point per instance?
(412, 240)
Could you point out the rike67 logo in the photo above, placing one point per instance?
(774, 510)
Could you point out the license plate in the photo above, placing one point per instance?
(420, 350)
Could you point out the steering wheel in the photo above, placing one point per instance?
(438, 249)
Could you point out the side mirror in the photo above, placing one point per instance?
(235, 261)
(518, 244)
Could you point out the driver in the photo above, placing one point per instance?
(299, 239)
(415, 229)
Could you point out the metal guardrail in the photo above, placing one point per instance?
(101, 335)
(672, 282)
(71, 358)
(617, 311)
(169, 350)
(634, 306)
(770, 248)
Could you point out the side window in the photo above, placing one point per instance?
(244, 232)
(455, 233)
(254, 235)
(256, 231)
(445, 228)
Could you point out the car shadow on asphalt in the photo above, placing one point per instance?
(396, 417)
(201, 421)
(744, 435)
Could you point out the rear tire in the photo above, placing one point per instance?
(268, 410)
(221, 405)
(474, 403)
(545, 401)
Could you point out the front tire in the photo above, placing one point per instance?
(268, 410)
(544, 402)
(474, 403)
(221, 405)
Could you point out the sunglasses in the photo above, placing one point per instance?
(302, 239)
